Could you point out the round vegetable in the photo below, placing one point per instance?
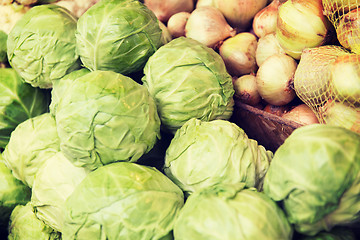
(204, 154)
(41, 45)
(104, 117)
(122, 201)
(188, 80)
(315, 176)
(117, 35)
(18, 102)
(228, 212)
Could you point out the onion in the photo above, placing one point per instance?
(264, 21)
(302, 114)
(277, 110)
(274, 79)
(77, 8)
(267, 46)
(208, 26)
(176, 24)
(163, 10)
(238, 53)
(339, 114)
(348, 30)
(345, 78)
(301, 24)
(202, 3)
(240, 13)
(246, 89)
(312, 76)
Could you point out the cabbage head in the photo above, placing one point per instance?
(18, 102)
(188, 80)
(24, 225)
(12, 193)
(3, 52)
(41, 45)
(117, 35)
(228, 212)
(104, 117)
(315, 176)
(31, 143)
(54, 182)
(204, 154)
(124, 201)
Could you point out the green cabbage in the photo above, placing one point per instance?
(203, 154)
(117, 35)
(315, 175)
(3, 52)
(24, 225)
(31, 143)
(124, 201)
(41, 45)
(18, 102)
(228, 212)
(188, 80)
(104, 117)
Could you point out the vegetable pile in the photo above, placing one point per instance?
(116, 120)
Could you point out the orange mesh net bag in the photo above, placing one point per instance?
(327, 78)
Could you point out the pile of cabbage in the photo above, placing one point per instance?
(111, 130)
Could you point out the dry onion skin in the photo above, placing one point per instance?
(163, 10)
(238, 53)
(246, 90)
(265, 20)
(301, 114)
(267, 46)
(348, 30)
(208, 26)
(176, 24)
(274, 79)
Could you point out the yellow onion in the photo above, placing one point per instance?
(339, 114)
(163, 10)
(301, 114)
(176, 24)
(246, 89)
(312, 75)
(277, 110)
(264, 21)
(267, 46)
(345, 78)
(302, 24)
(333, 9)
(202, 3)
(208, 26)
(238, 53)
(274, 79)
(348, 30)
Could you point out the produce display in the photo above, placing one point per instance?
(119, 119)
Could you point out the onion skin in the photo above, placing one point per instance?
(176, 24)
(301, 24)
(348, 31)
(267, 46)
(246, 90)
(208, 26)
(238, 53)
(163, 10)
(345, 79)
(301, 114)
(274, 79)
(265, 20)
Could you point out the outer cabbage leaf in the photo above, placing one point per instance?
(3, 40)
(188, 80)
(105, 117)
(54, 182)
(41, 45)
(24, 225)
(31, 143)
(204, 154)
(315, 175)
(117, 35)
(228, 212)
(122, 201)
(18, 102)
